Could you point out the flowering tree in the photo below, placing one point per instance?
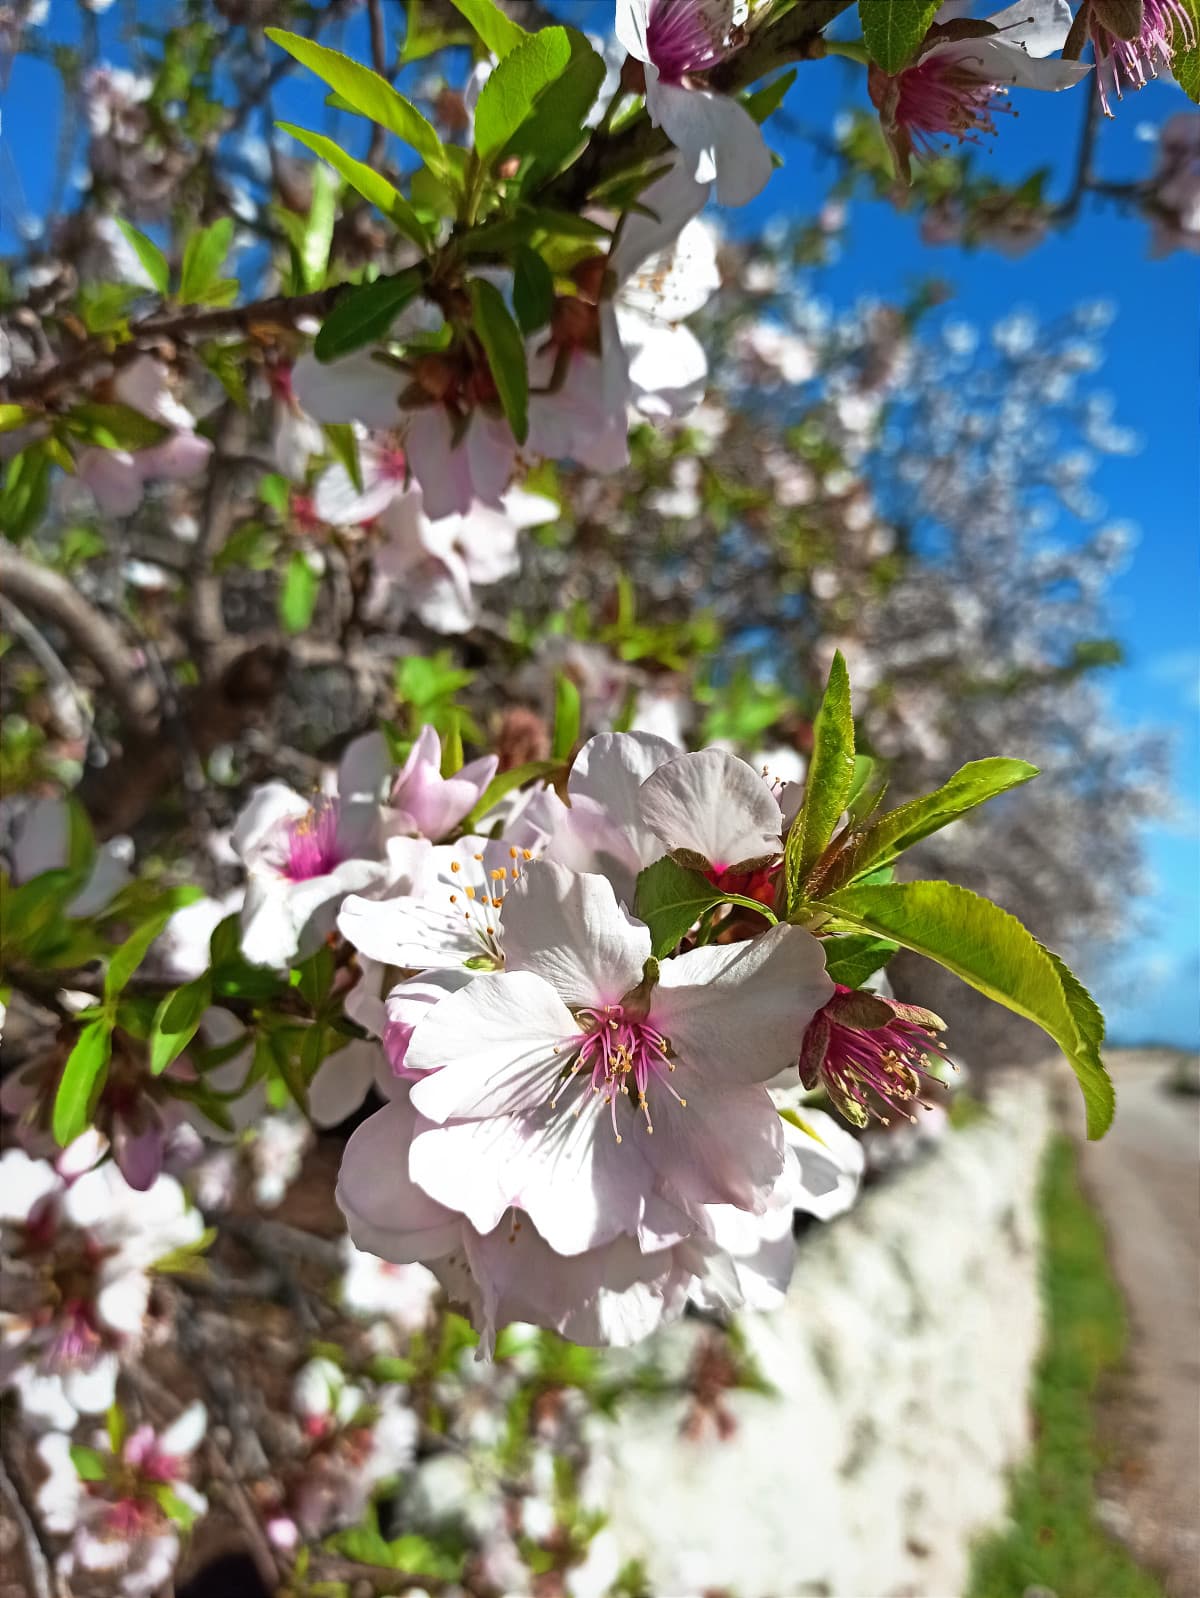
(574, 994)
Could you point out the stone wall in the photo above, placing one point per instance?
(901, 1360)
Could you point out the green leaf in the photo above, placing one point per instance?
(497, 31)
(12, 416)
(89, 1465)
(366, 181)
(114, 1425)
(203, 256)
(317, 235)
(176, 1020)
(1185, 51)
(505, 351)
(130, 954)
(567, 713)
(366, 93)
(173, 1507)
(153, 261)
(533, 289)
(81, 1081)
(365, 314)
(854, 958)
(115, 426)
(892, 29)
(670, 899)
(508, 96)
(343, 441)
(252, 545)
(770, 97)
(504, 784)
(992, 951)
(892, 834)
(558, 124)
(830, 779)
(298, 593)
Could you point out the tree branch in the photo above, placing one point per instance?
(52, 597)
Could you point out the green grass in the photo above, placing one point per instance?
(1054, 1540)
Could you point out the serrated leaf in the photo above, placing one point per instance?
(366, 181)
(497, 30)
(204, 255)
(567, 715)
(889, 836)
(153, 261)
(505, 351)
(130, 954)
(828, 785)
(892, 29)
(1185, 50)
(992, 951)
(854, 958)
(533, 289)
(176, 1020)
(670, 899)
(298, 593)
(365, 315)
(508, 96)
(366, 93)
(81, 1081)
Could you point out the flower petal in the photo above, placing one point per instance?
(386, 1212)
(569, 929)
(713, 805)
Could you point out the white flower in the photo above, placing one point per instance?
(717, 137)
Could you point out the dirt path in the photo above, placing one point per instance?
(1145, 1180)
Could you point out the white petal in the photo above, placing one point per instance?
(183, 1435)
(739, 1011)
(338, 502)
(630, 25)
(355, 389)
(715, 806)
(342, 1082)
(569, 929)
(386, 1212)
(717, 137)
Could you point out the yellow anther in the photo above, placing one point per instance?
(527, 854)
(470, 893)
(496, 903)
(499, 874)
(513, 852)
(456, 865)
(453, 898)
(477, 857)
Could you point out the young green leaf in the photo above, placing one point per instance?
(365, 314)
(854, 958)
(557, 125)
(88, 1463)
(343, 441)
(829, 782)
(992, 951)
(496, 29)
(892, 29)
(317, 234)
(533, 289)
(366, 93)
(298, 593)
(505, 350)
(129, 955)
(670, 899)
(770, 97)
(81, 1081)
(452, 747)
(366, 181)
(176, 1020)
(567, 713)
(501, 786)
(508, 96)
(203, 257)
(153, 261)
(892, 834)
(112, 425)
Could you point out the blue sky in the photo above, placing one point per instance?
(1152, 353)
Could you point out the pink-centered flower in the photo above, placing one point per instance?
(434, 805)
(602, 1093)
(964, 71)
(118, 477)
(870, 1054)
(1167, 25)
(677, 42)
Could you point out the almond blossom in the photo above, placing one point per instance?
(601, 1092)
(871, 1055)
(304, 855)
(123, 1520)
(433, 566)
(961, 75)
(1135, 62)
(117, 477)
(678, 41)
(605, 829)
(77, 1254)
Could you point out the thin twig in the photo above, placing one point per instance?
(39, 1562)
(52, 597)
